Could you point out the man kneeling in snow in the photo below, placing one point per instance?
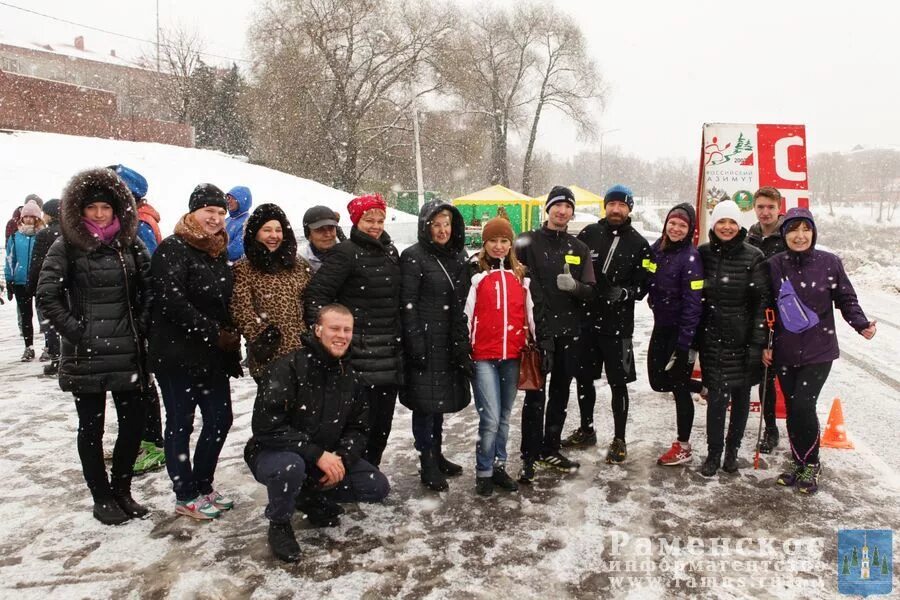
(309, 434)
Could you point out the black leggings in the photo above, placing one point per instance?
(25, 306)
(91, 412)
(663, 342)
(802, 386)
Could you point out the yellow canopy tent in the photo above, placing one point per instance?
(477, 207)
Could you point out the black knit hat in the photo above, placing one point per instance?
(206, 194)
(257, 253)
(51, 207)
(318, 216)
(559, 193)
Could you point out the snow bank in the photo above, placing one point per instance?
(42, 163)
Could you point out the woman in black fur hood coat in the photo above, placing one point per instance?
(95, 289)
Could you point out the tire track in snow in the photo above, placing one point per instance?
(874, 372)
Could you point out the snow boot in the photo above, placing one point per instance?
(122, 493)
(52, 369)
(108, 511)
(808, 479)
(446, 467)
(431, 474)
(789, 478)
(502, 479)
(45, 355)
(769, 441)
(484, 486)
(526, 475)
(711, 464)
(678, 454)
(580, 438)
(320, 510)
(558, 462)
(283, 542)
(28, 355)
(729, 464)
(617, 452)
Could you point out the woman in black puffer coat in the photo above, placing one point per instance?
(732, 331)
(194, 349)
(438, 364)
(94, 288)
(363, 274)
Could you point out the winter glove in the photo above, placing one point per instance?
(9, 292)
(229, 341)
(266, 344)
(546, 362)
(616, 294)
(678, 364)
(565, 282)
(468, 368)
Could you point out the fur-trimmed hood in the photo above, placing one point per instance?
(79, 188)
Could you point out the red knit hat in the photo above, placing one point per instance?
(360, 205)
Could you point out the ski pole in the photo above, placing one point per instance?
(770, 323)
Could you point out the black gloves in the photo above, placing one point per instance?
(679, 362)
(9, 291)
(607, 291)
(229, 341)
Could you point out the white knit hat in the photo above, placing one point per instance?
(725, 210)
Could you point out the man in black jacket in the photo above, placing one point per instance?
(42, 242)
(620, 257)
(766, 235)
(309, 434)
(562, 279)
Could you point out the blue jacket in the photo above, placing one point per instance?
(234, 224)
(18, 258)
(676, 284)
(146, 235)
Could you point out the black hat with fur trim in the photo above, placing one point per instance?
(257, 253)
(96, 185)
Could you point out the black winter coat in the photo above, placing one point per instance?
(770, 245)
(732, 330)
(98, 296)
(545, 252)
(42, 242)
(625, 267)
(305, 404)
(363, 274)
(435, 336)
(191, 306)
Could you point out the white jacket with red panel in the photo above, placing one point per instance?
(500, 313)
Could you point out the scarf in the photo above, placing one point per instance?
(189, 230)
(104, 234)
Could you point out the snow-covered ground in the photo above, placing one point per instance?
(630, 531)
(606, 531)
(42, 163)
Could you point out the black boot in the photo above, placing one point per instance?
(108, 511)
(446, 467)
(52, 369)
(431, 474)
(769, 441)
(729, 465)
(320, 510)
(122, 495)
(484, 486)
(283, 543)
(711, 464)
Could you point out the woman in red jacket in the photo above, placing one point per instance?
(499, 309)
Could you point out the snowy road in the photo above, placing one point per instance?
(621, 532)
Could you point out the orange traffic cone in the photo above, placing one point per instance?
(835, 434)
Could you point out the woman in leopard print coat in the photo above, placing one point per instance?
(269, 283)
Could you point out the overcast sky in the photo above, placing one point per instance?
(671, 66)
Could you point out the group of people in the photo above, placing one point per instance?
(337, 330)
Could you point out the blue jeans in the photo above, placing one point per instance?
(283, 473)
(182, 394)
(495, 391)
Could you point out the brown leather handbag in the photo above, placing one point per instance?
(530, 376)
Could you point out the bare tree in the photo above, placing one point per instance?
(350, 71)
(567, 80)
(487, 65)
(179, 53)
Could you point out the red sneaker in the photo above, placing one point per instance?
(677, 455)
